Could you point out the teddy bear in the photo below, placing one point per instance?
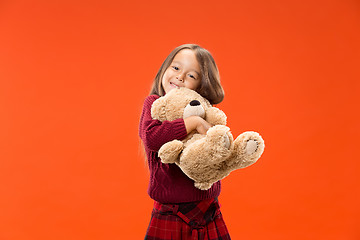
(207, 158)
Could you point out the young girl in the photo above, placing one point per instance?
(181, 211)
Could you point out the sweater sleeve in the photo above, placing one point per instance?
(154, 133)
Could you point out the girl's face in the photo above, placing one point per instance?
(184, 71)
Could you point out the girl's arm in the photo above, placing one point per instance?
(154, 133)
(196, 123)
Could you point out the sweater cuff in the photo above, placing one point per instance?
(179, 129)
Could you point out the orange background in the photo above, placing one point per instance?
(73, 78)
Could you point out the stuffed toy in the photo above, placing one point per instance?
(208, 158)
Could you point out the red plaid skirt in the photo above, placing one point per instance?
(187, 221)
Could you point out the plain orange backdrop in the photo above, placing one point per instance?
(73, 77)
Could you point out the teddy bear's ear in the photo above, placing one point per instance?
(215, 116)
(207, 103)
(158, 109)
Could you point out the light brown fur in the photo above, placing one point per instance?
(208, 158)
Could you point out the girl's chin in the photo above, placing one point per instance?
(169, 89)
(172, 87)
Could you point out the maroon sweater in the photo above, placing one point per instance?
(168, 184)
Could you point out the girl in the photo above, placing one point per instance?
(181, 211)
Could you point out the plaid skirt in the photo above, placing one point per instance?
(187, 221)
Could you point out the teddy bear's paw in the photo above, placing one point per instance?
(251, 146)
(250, 143)
(203, 185)
(226, 141)
(220, 135)
(170, 151)
(248, 149)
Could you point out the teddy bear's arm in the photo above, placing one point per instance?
(215, 116)
(169, 152)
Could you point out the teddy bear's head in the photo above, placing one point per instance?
(184, 102)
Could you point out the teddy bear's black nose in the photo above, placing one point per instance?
(194, 103)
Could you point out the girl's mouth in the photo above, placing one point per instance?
(174, 85)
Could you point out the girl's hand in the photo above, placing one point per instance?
(203, 126)
(196, 123)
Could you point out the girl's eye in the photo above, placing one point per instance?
(176, 68)
(192, 76)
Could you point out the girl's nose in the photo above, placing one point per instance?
(179, 77)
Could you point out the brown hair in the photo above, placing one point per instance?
(210, 87)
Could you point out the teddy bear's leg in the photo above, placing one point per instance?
(169, 152)
(220, 135)
(217, 144)
(248, 148)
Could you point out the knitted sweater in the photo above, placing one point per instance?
(168, 184)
